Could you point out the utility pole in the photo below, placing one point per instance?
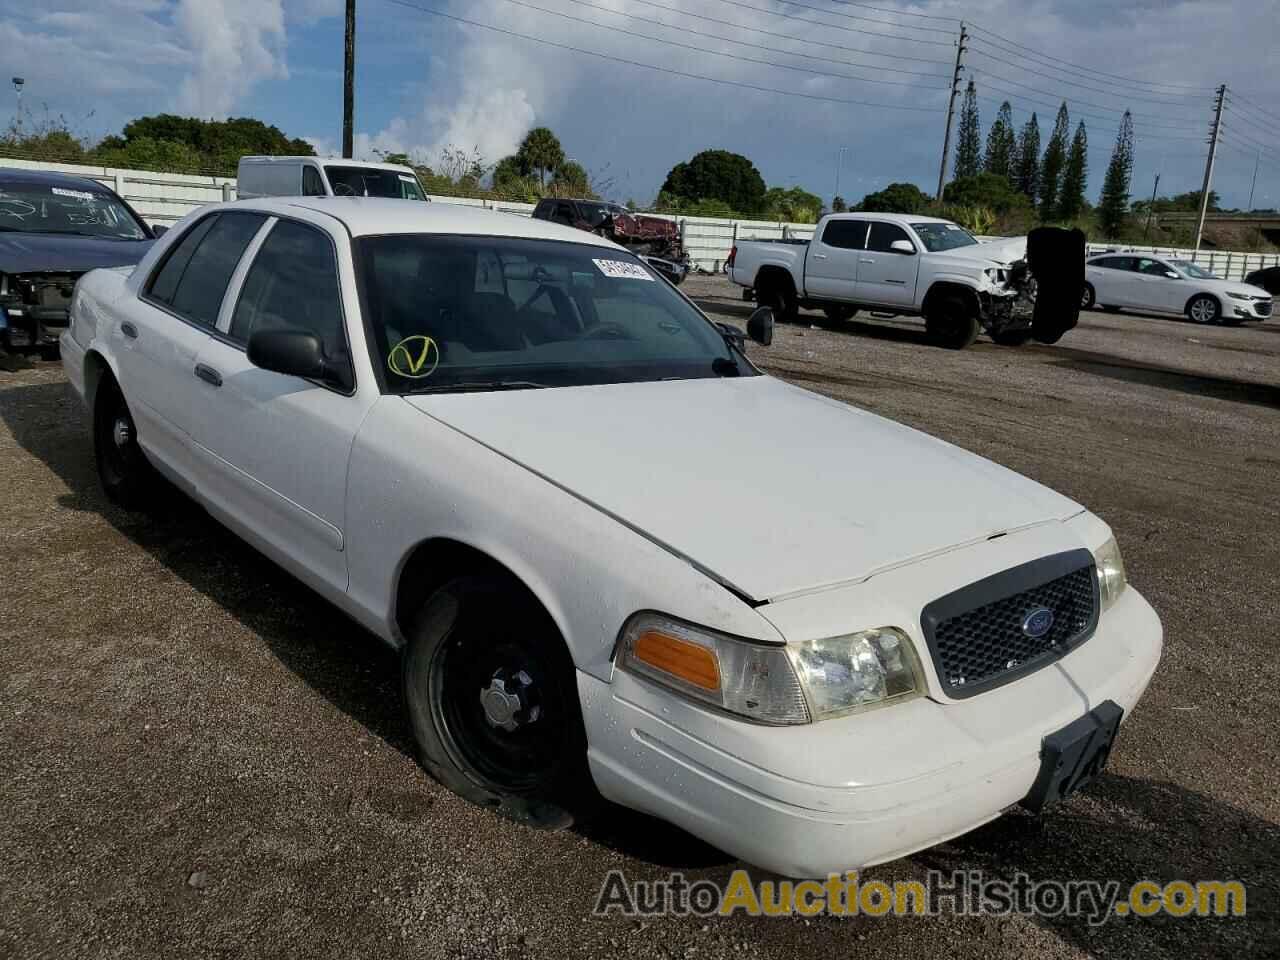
(951, 108)
(18, 84)
(1253, 186)
(840, 163)
(349, 84)
(1151, 209)
(1215, 130)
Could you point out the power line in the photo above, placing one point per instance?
(1088, 116)
(697, 49)
(1253, 121)
(897, 13)
(835, 26)
(1157, 120)
(649, 66)
(1096, 73)
(1077, 83)
(792, 37)
(1233, 95)
(889, 23)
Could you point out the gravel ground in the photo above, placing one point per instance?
(199, 757)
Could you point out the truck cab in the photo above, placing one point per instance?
(325, 177)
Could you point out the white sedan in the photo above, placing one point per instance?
(615, 556)
(1142, 282)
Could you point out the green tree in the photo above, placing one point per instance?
(1113, 204)
(969, 136)
(145, 153)
(1002, 145)
(1055, 158)
(219, 143)
(1075, 177)
(795, 204)
(541, 153)
(1028, 175)
(571, 180)
(839, 204)
(988, 190)
(896, 198)
(717, 175)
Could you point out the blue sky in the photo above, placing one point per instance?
(425, 82)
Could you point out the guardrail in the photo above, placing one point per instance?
(167, 197)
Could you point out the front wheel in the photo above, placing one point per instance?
(1088, 297)
(780, 298)
(1204, 309)
(952, 324)
(492, 699)
(123, 470)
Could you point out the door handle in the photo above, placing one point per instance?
(129, 330)
(208, 374)
(866, 260)
(819, 256)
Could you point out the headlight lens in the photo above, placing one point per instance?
(1239, 296)
(788, 684)
(861, 670)
(1111, 577)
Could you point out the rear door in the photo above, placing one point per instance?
(274, 447)
(164, 331)
(831, 260)
(884, 274)
(1112, 279)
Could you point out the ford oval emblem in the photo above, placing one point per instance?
(1037, 622)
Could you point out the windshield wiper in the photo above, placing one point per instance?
(478, 386)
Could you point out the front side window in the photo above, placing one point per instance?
(943, 236)
(884, 234)
(194, 277)
(369, 182)
(845, 234)
(293, 285)
(70, 210)
(312, 185)
(1189, 269)
(452, 313)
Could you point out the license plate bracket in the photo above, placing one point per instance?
(1072, 757)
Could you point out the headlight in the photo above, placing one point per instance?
(1239, 296)
(1111, 578)
(787, 684)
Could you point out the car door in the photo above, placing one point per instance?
(162, 333)
(884, 274)
(1111, 281)
(1162, 287)
(831, 262)
(274, 447)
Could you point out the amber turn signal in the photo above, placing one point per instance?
(689, 662)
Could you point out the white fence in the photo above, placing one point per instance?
(166, 197)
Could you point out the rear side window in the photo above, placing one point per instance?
(884, 234)
(1115, 263)
(312, 185)
(194, 278)
(846, 234)
(293, 285)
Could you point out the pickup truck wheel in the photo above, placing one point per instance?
(838, 314)
(492, 700)
(952, 323)
(126, 476)
(1011, 338)
(779, 298)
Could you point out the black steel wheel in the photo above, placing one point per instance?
(123, 470)
(492, 700)
(952, 323)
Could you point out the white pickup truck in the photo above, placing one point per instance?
(916, 265)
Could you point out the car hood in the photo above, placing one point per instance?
(37, 253)
(1231, 286)
(768, 488)
(1002, 252)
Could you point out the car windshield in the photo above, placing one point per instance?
(451, 313)
(368, 182)
(596, 213)
(943, 236)
(1191, 270)
(36, 208)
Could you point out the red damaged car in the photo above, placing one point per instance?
(655, 239)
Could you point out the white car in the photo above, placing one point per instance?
(1146, 282)
(614, 554)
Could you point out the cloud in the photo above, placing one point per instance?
(236, 44)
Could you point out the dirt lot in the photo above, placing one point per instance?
(198, 757)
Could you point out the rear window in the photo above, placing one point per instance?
(369, 182)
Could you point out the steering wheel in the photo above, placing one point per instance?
(607, 330)
(343, 190)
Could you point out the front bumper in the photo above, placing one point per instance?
(807, 801)
(1251, 309)
(25, 327)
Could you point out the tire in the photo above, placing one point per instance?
(483, 634)
(779, 297)
(50, 352)
(839, 314)
(1088, 297)
(1203, 308)
(127, 478)
(1109, 309)
(1012, 338)
(951, 323)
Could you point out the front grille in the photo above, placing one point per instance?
(977, 635)
(1263, 307)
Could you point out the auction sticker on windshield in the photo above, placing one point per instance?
(77, 194)
(621, 270)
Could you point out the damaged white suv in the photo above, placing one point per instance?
(615, 556)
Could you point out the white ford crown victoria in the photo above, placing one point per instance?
(615, 556)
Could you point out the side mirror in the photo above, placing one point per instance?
(1171, 275)
(296, 354)
(902, 246)
(760, 326)
(159, 230)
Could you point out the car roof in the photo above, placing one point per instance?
(375, 216)
(339, 161)
(888, 217)
(49, 178)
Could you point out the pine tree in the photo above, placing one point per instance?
(1002, 144)
(969, 138)
(1028, 178)
(1114, 202)
(1075, 177)
(1055, 156)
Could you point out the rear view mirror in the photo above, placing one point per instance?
(760, 326)
(158, 230)
(902, 246)
(297, 354)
